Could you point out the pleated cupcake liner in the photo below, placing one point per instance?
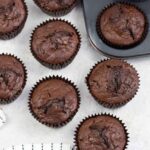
(119, 46)
(58, 12)
(11, 99)
(15, 32)
(76, 143)
(100, 101)
(61, 124)
(59, 65)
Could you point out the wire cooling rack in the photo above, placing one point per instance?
(51, 146)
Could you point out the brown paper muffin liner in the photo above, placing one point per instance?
(118, 46)
(59, 65)
(105, 104)
(70, 118)
(59, 12)
(76, 144)
(15, 32)
(9, 100)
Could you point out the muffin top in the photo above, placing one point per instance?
(54, 101)
(122, 24)
(53, 5)
(12, 15)
(101, 132)
(113, 82)
(12, 76)
(55, 42)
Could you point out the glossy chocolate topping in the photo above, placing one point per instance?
(113, 81)
(101, 133)
(122, 24)
(54, 101)
(55, 42)
(53, 5)
(12, 15)
(12, 76)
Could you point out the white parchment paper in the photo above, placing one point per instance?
(22, 128)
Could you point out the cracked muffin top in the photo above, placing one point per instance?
(54, 5)
(122, 25)
(113, 82)
(54, 101)
(12, 15)
(101, 132)
(12, 77)
(55, 42)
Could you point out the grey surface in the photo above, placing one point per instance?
(91, 17)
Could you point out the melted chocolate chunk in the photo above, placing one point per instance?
(8, 75)
(53, 106)
(115, 80)
(117, 17)
(121, 11)
(101, 132)
(59, 39)
(55, 41)
(129, 29)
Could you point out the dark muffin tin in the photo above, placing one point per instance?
(91, 11)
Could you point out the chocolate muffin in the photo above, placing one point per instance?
(122, 25)
(13, 15)
(54, 101)
(55, 43)
(56, 7)
(113, 82)
(12, 78)
(101, 132)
